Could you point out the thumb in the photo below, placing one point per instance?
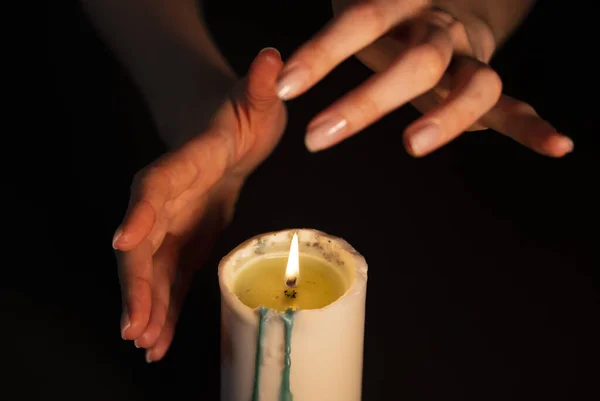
(261, 79)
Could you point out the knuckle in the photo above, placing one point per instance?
(137, 180)
(146, 184)
(510, 105)
(163, 306)
(232, 144)
(366, 108)
(367, 14)
(432, 63)
(317, 49)
(490, 80)
(520, 107)
(156, 177)
(140, 288)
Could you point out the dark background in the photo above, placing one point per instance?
(482, 256)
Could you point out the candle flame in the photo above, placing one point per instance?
(292, 271)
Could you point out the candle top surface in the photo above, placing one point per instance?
(263, 283)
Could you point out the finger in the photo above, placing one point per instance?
(164, 263)
(149, 193)
(353, 29)
(258, 107)
(162, 344)
(415, 72)
(135, 276)
(151, 189)
(519, 121)
(261, 79)
(478, 88)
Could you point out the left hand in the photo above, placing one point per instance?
(420, 55)
(181, 202)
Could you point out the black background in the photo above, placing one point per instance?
(482, 256)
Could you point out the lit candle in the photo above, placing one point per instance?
(293, 310)
(277, 285)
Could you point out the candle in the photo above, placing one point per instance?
(293, 310)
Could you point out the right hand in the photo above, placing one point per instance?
(181, 202)
(423, 55)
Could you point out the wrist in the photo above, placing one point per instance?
(187, 106)
(169, 53)
(480, 37)
(487, 23)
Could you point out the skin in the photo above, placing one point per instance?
(440, 64)
(220, 127)
(186, 198)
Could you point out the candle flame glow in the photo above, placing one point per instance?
(292, 271)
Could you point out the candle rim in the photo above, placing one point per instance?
(357, 285)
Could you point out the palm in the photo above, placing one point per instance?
(181, 202)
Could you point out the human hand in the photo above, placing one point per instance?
(181, 202)
(422, 55)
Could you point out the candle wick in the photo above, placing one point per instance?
(291, 282)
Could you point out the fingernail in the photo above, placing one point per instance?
(569, 145)
(424, 139)
(270, 48)
(125, 323)
(116, 236)
(135, 343)
(325, 134)
(291, 82)
(148, 357)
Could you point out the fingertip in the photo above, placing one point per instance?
(131, 331)
(271, 53)
(139, 310)
(153, 330)
(134, 329)
(262, 77)
(125, 324)
(292, 82)
(310, 146)
(148, 338)
(116, 237)
(126, 333)
(412, 151)
(313, 144)
(269, 57)
(125, 240)
(159, 350)
(557, 145)
(122, 242)
(422, 139)
(137, 318)
(326, 132)
(137, 225)
(564, 145)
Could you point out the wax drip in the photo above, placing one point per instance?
(258, 359)
(285, 393)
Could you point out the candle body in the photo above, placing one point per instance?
(325, 345)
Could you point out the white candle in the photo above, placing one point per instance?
(307, 342)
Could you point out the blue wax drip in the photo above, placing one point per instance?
(285, 393)
(258, 359)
